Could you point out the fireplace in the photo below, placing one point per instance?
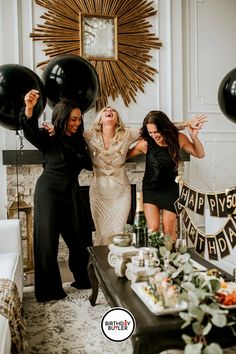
(23, 169)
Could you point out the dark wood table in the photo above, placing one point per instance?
(153, 334)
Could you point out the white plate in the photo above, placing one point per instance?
(231, 287)
(227, 307)
(156, 308)
(198, 266)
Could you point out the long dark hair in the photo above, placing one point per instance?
(166, 128)
(74, 144)
(61, 114)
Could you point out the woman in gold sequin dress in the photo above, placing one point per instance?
(110, 190)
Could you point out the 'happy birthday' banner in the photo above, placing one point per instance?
(221, 204)
(219, 244)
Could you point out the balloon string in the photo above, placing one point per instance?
(17, 179)
(17, 170)
(21, 141)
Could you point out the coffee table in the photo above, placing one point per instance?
(153, 334)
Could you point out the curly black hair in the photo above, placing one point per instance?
(167, 129)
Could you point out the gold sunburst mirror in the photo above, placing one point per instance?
(113, 35)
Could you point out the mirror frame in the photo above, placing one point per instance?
(128, 70)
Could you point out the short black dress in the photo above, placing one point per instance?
(159, 186)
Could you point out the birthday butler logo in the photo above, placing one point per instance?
(118, 324)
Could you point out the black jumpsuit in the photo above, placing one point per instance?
(159, 186)
(58, 209)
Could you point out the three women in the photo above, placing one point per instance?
(58, 204)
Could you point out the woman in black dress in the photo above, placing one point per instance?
(161, 141)
(58, 206)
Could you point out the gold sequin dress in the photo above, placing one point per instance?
(110, 190)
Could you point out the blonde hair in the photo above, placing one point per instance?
(120, 126)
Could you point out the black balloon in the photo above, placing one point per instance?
(227, 95)
(15, 81)
(72, 77)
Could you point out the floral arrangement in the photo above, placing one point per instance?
(198, 289)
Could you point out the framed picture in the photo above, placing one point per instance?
(98, 37)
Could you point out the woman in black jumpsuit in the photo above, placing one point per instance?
(58, 206)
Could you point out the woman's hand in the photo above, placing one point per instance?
(193, 132)
(31, 98)
(197, 121)
(49, 127)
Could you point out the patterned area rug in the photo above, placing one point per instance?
(71, 326)
(68, 326)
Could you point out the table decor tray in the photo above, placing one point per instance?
(155, 307)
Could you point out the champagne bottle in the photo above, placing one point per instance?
(140, 229)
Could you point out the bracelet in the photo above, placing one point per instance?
(180, 125)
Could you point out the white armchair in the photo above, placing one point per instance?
(11, 268)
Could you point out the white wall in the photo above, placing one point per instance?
(9, 53)
(209, 29)
(209, 49)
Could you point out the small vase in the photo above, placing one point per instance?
(122, 240)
